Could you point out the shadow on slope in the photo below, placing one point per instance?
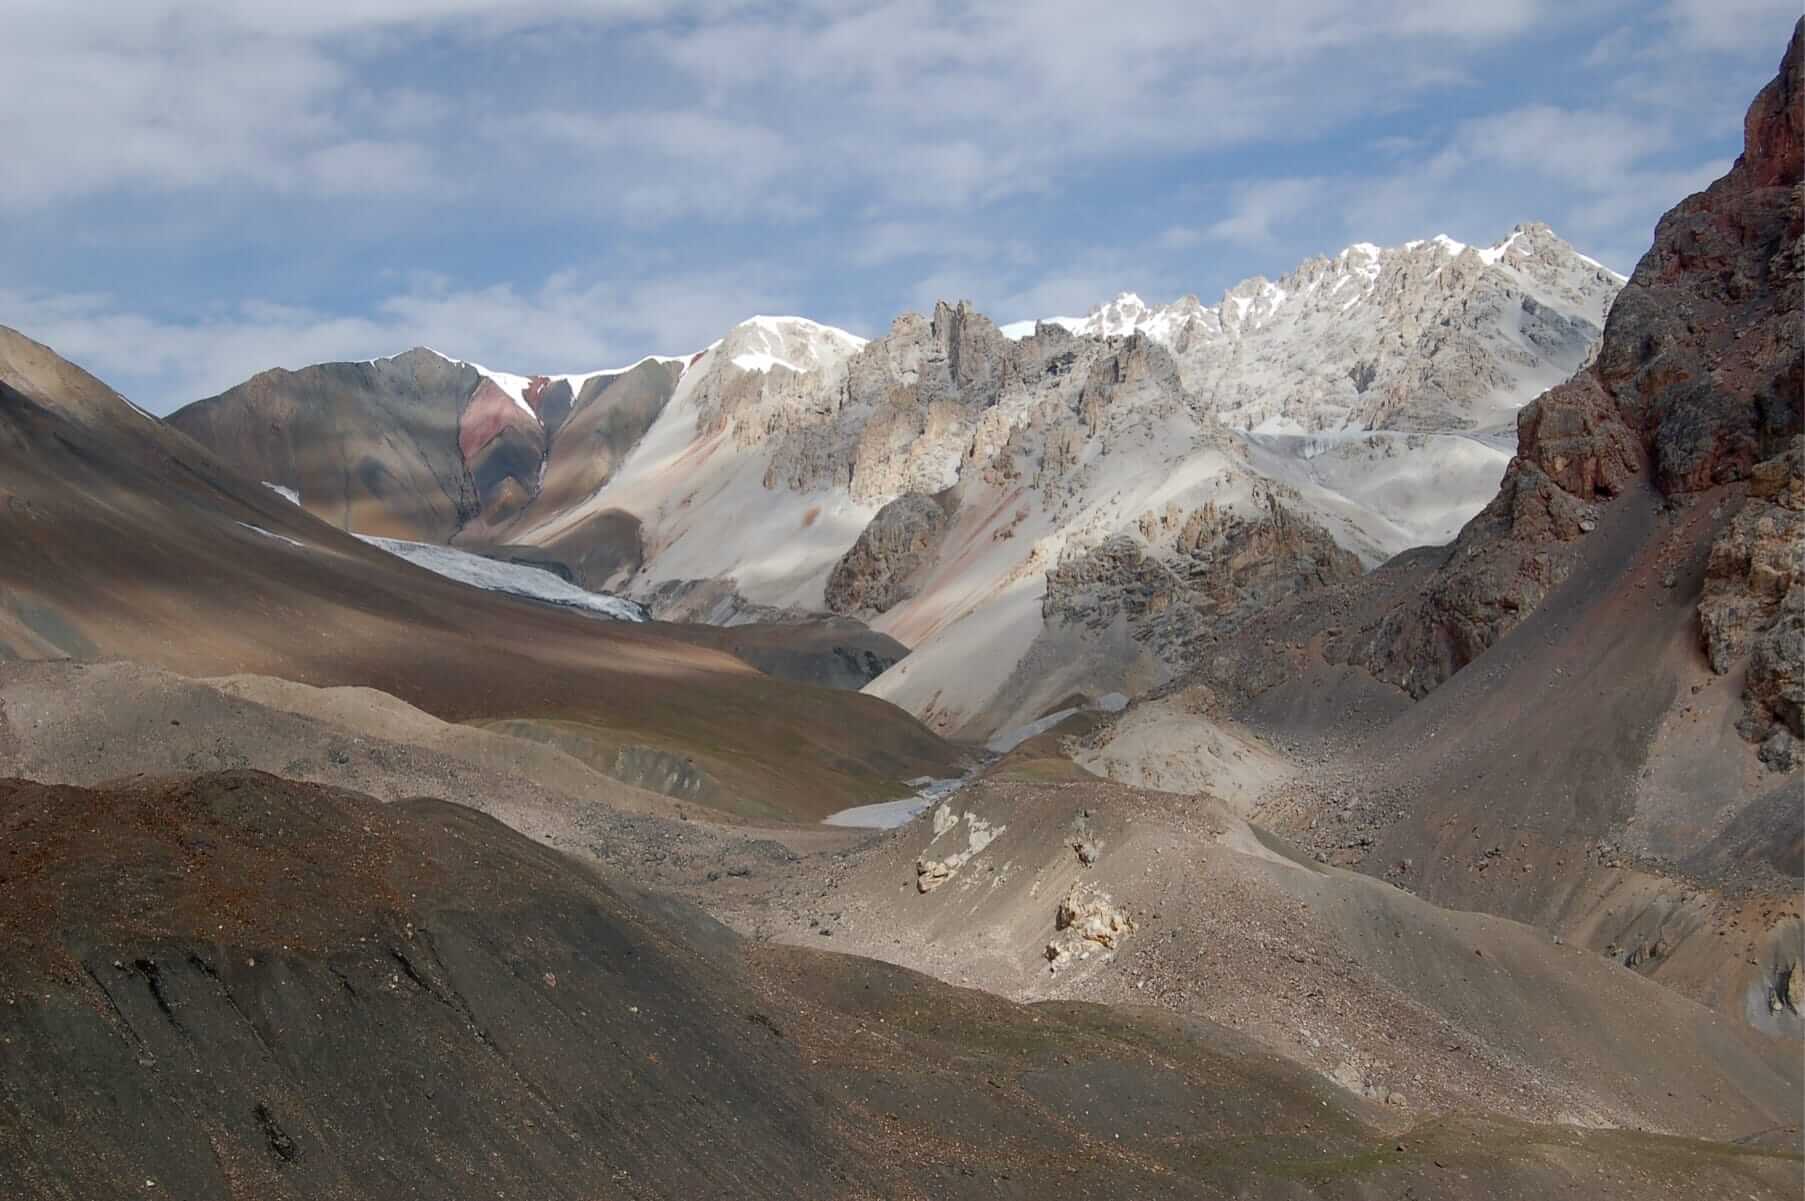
(121, 537)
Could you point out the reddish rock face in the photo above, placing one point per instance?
(1774, 132)
(502, 447)
(1576, 436)
(1703, 349)
(488, 412)
(1699, 372)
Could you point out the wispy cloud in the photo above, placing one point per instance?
(1261, 205)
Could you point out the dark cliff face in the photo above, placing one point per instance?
(1698, 379)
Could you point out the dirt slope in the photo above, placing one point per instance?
(1439, 1010)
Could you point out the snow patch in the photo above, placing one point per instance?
(257, 529)
(1495, 254)
(511, 578)
(1592, 262)
(887, 815)
(758, 360)
(287, 494)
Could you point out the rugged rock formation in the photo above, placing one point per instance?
(1757, 594)
(1754, 563)
(1086, 919)
(873, 576)
(1225, 565)
(1775, 688)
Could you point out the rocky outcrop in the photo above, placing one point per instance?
(1754, 563)
(932, 872)
(1775, 689)
(1189, 571)
(1698, 379)
(1086, 921)
(1757, 592)
(873, 576)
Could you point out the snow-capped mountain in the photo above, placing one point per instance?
(1430, 335)
(1034, 511)
(527, 391)
(428, 448)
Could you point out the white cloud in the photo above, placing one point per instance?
(966, 104)
(952, 106)
(368, 167)
(1261, 205)
(1742, 26)
(1590, 149)
(1629, 205)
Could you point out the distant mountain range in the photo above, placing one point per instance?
(938, 477)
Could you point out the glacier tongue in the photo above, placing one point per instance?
(513, 578)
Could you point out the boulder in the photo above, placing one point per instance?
(1086, 916)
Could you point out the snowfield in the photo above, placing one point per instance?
(512, 578)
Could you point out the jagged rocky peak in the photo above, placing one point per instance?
(1122, 315)
(973, 346)
(1430, 335)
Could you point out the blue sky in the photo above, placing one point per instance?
(197, 191)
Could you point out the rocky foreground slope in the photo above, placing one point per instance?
(230, 986)
(1041, 887)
